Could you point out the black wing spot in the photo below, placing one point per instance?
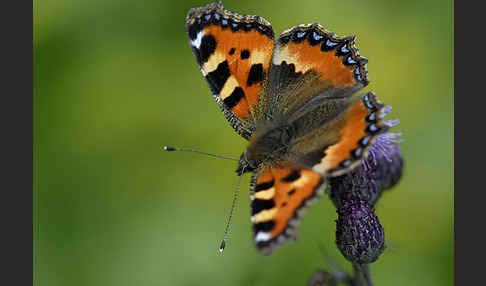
(292, 176)
(287, 71)
(261, 205)
(218, 77)
(256, 74)
(235, 97)
(264, 186)
(264, 226)
(245, 54)
(206, 49)
(193, 30)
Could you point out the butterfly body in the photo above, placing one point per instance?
(269, 143)
(294, 99)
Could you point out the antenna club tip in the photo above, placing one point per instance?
(168, 148)
(222, 246)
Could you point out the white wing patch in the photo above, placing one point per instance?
(197, 42)
(262, 236)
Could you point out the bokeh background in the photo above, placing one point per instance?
(116, 80)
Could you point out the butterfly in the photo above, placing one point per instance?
(294, 98)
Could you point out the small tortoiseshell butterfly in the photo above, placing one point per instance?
(293, 98)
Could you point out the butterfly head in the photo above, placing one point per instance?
(269, 144)
(245, 165)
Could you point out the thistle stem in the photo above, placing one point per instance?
(362, 275)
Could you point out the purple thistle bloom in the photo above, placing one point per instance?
(359, 234)
(384, 161)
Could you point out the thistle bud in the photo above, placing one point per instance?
(357, 184)
(359, 234)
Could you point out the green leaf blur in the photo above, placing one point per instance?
(116, 81)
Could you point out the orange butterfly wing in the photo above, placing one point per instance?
(279, 196)
(234, 54)
(341, 143)
(312, 48)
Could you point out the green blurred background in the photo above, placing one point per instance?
(116, 80)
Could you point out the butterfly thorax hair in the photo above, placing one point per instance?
(268, 144)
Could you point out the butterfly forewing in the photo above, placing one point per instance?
(234, 54)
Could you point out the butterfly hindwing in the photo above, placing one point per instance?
(279, 196)
(341, 143)
(234, 54)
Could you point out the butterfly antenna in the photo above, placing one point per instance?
(168, 148)
(233, 205)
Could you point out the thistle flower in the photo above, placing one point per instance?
(359, 234)
(384, 161)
